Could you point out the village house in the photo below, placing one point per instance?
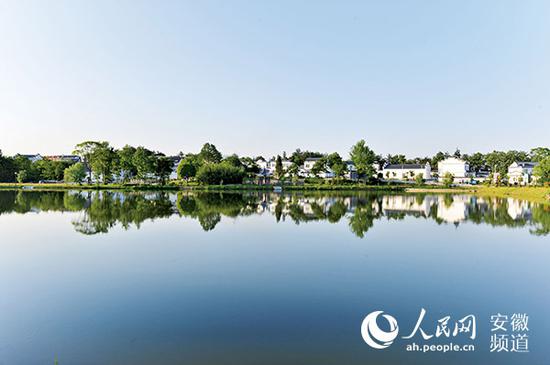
(457, 167)
(63, 158)
(521, 173)
(406, 171)
(32, 158)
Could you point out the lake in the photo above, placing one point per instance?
(261, 278)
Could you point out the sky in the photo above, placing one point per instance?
(263, 77)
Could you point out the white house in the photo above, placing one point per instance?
(521, 173)
(406, 171)
(459, 168)
(309, 162)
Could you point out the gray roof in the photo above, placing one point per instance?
(527, 163)
(405, 166)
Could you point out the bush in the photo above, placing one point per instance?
(213, 174)
(75, 173)
(448, 179)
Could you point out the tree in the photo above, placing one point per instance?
(102, 160)
(336, 164)
(440, 156)
(419, 179)
(145, 162)
(188, 167)
(457, 153)
(163, 168)
(220, 174)
(293, 170)
(319, 166)
(125, 162)
(8, 169)
(448, 179)
(233, 160)
(85, 150)
(299, 157)
(249, 165)
(542, 171)
(26, 170)
(209, 154)
(279, 171)
(540, 153)
(363, 158)
(475, 161)
(75, 173)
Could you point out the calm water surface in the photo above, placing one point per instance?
(210, 278)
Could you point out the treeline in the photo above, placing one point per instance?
(100, 162)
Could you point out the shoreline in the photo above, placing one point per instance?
(534, 194)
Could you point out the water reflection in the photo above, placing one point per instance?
(98, 212)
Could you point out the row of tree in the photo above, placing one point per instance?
(106, 164)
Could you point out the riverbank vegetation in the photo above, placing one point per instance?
(132, 167)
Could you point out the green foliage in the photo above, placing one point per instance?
(298, 157)
(363, 158)
(221, 173)
(188, 167)
(163, 168)
(102, 161)
(233, 160)
(144, 161)
(126, 165)
(8, 168)
(499, 161)
(448, 179)
(319, 166)
(250, 165)
(540, 153)
(419, 179)
(209, 154)
(75, 173)
(440, 156)
(542, 171)
(85, 150)
(279, 171)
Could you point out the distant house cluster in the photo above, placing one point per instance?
(519, 173)
(64, 158)
(267, 168)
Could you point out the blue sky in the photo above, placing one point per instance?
(259, 77)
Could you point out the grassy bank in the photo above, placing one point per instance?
(535, 194)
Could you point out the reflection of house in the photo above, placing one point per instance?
(455, 166)
(406, 171)
(407, 204)
(518, 208)
(453, 211)
(521, 173)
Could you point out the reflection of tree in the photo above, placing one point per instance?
(363, 219)
(208, 208)
(100, 211)
(541, 216)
